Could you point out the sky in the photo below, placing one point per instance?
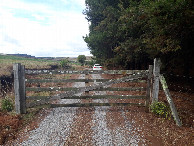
(43, 28)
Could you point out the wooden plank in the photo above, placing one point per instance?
(38, 97)
(156, 73)
(37, 103)
(75, 89)
(51, 89)
(63, 80)
(89, 97)
(170, 101)
(106, 97)
(129, 72)
(75, 80)
(94, 104)
(121, 89)
(19, 88)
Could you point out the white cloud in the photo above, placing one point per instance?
(43, 31)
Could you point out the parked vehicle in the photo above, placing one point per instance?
(97, 67)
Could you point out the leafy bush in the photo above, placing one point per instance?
(7, 105)
(81, 59)
(159, 108)
(64, 63)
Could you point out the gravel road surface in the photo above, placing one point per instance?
(101, 126)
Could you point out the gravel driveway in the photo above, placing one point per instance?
(102, 126)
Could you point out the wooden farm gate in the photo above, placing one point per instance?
(23, 101)
(151, 77)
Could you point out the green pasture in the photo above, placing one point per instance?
(6, 63)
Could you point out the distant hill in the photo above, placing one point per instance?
(88, 58)
(22, 55)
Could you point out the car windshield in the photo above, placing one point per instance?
(97, 65)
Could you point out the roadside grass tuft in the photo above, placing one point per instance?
(7, 105)
(160, 109)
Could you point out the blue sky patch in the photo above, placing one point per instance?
(37, 16)
(58, 5)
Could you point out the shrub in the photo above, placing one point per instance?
(159, 108)
(64, 63)
(7, 105)
(81, 59)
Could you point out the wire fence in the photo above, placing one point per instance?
(181, 86)
(182, 91)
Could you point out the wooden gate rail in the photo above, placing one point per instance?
(75, 89)
(71, 80)
(93, 104)
(123, 72)
(46, 99)
(84, 104)
(90, 97)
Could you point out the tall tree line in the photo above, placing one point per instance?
(129, 34)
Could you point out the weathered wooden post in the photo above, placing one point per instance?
(150, 72)
(19, 88)
(156, 73)
(86, 82)
(170, 100)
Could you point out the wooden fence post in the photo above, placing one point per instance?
(156, 73)
(86, 82)
(170, 100)
(150, 71)
(19, 88)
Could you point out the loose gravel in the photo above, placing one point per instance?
(55, 128)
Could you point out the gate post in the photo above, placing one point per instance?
(156, 73)
(150, 71)
(86, 82)
(19, 88)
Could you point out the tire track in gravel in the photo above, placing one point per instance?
(111, 127)
(81, 132)
(55, 128)
(101, 133)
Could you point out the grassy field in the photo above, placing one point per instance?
(6, 64)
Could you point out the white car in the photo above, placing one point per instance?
(97, 67)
